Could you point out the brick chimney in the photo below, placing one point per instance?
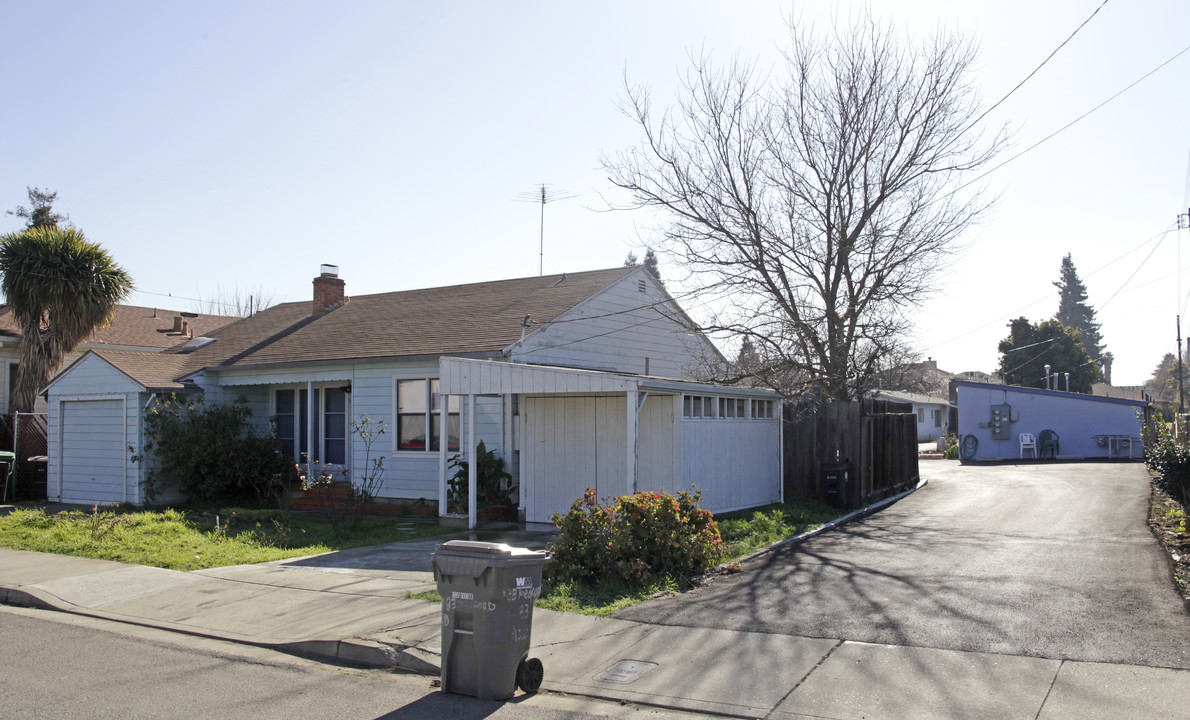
(328, 290)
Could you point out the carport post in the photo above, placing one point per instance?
(472, 513)
(443, 442)
(310, 420)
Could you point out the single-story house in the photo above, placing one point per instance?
(577, 380)
(1007, 422)
(931, 412)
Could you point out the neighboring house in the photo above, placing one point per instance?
(992, 419)
(931, 412)
(577, 380)
(1127, 392)
(132, 328)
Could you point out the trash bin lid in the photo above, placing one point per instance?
(502, 550)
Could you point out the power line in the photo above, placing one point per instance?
(1043, 62)
(1068, 125)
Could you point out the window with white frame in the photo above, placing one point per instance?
(291, 407)
(762, 409)
(419, 416)
(732, 408)
(921, 415)
(698, 406)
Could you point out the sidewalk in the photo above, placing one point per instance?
(350, 607)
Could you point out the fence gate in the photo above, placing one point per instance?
(24, 434)
(877, 438)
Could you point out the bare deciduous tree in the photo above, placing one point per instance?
(815, 203)
(234, 303)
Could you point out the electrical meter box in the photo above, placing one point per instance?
(1001, 416)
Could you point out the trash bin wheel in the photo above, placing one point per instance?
(529, 675)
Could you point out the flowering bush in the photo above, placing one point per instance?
(635, 538)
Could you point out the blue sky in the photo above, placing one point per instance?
(224, 147)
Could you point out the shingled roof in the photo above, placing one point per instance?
(135, 326)
(460, 319)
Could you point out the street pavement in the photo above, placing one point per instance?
(351, 608)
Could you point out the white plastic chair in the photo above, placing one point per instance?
(1028, 442)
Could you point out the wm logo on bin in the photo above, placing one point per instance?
(524, 582)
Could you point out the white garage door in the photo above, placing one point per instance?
(573, 443)
(93, 451)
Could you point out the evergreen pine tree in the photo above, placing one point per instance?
(650, 263)
(1074, 312)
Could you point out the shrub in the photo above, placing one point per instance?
(213, 452)
(1168, 458)
(493, 484)
(635, 538)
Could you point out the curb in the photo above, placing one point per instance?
(357, 652)
(825, 527)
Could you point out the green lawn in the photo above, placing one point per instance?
(191, 540)
(194, 540)
(750, 530)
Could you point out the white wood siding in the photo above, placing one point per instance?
(579, 442)
(736, 463)
(658, 461)
(93, 418)
(616, 330)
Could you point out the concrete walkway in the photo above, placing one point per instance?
(350, 607)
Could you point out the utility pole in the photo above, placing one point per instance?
(1183, 223)
(1181, 390)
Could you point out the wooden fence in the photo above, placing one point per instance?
(877, 438)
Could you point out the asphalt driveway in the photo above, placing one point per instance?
(1051, 561)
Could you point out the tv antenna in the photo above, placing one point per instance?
(543, 194)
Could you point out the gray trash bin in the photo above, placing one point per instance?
(487, 593)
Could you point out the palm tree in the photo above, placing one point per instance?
(60, 287)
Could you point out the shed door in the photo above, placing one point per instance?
(571, 444)
(92, 451)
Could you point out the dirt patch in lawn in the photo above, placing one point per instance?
(1167, 520)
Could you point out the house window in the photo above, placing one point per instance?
(762, 409)
(419, 406)
(731, 407)
(938, 415)
(698, 406)
(291, 408)
(921, 415)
